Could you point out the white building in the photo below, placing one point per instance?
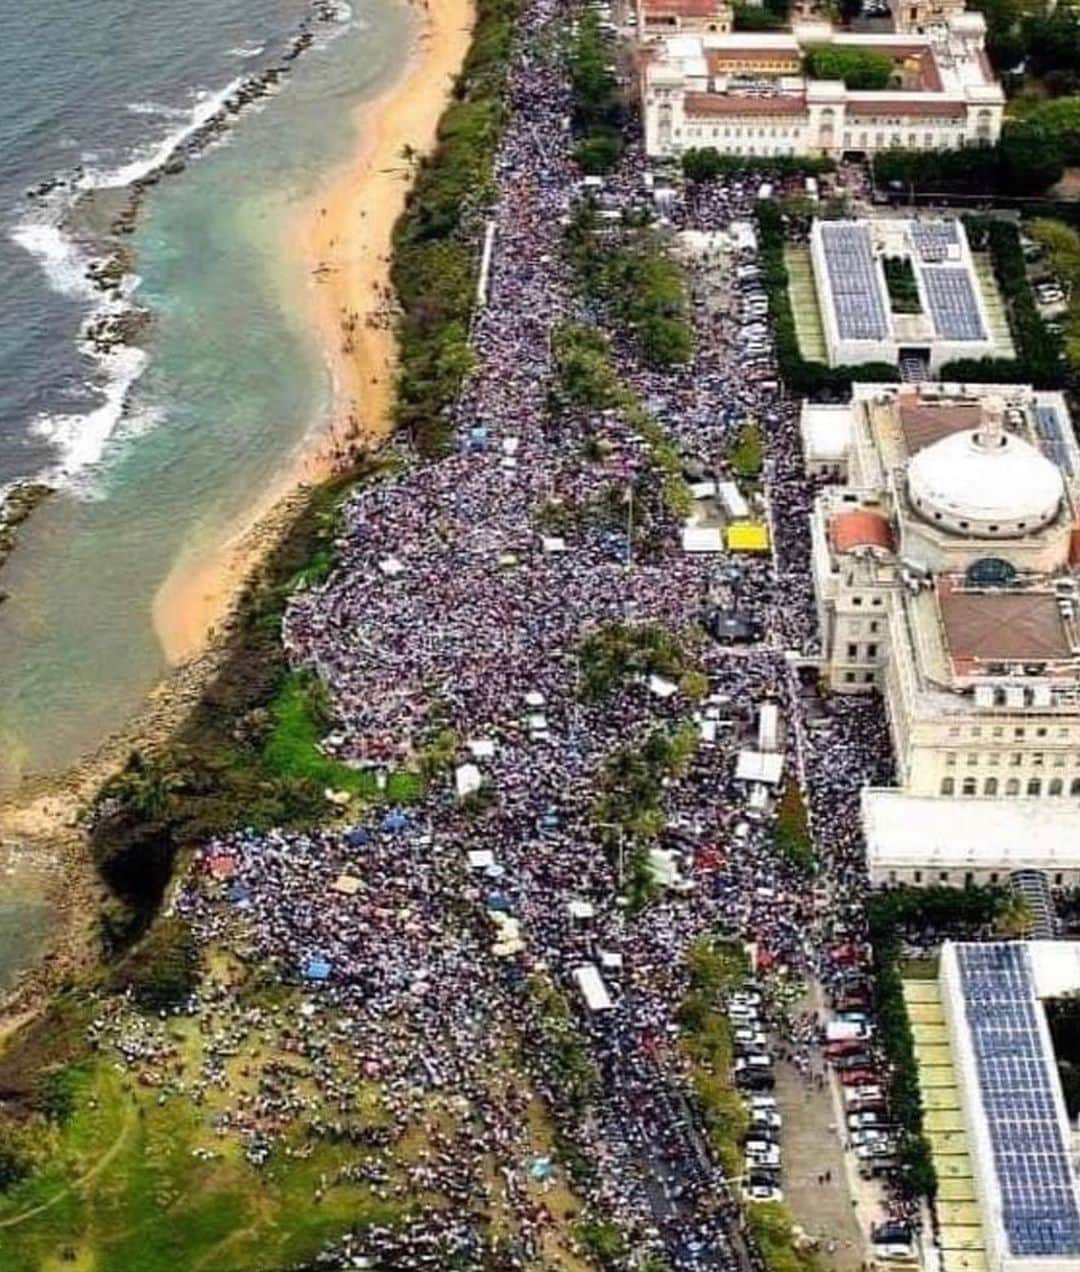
(938, 317)
(1017, 1127)
(746, 93)
(945, 576)
(653, 18)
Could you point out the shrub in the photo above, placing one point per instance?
(705, 163)
(433, 264)
(163, 971)
(1027, 160)
(17, 1152)
(793, 839)
(858, 68)
(599, 151)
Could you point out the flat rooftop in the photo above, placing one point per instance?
(924, 423)
(1002, 626)
(1020, 1100)
(903, 831)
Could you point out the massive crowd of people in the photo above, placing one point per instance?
(455, 606)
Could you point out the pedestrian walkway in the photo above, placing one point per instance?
(963, 1248)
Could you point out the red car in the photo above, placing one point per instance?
(859, 1077)
(845, 1047)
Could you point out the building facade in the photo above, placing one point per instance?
(747, 93)
(656, 18)
(944, 567)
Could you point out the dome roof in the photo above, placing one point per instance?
(985, 483)
(860, 528)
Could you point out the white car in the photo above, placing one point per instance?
(766, 1117)
(762, 1103)
(762, 1192)
(747, 1037)
(859, 1121)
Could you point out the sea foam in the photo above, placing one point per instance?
(81, 440)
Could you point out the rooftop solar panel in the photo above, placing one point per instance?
(1052, 439)
(934, 239)
(1040, 1213)
(953, 305)
(853, 280)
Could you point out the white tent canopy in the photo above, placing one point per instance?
(759, 766)
(592, 987)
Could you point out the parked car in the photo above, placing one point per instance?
(861, 1060)
(745, 1036)
(859, 1078)
(844, 1047)
(858, 1120)
(762, 1192)
(754, 1079)
(762, 1103)
(766, 1117)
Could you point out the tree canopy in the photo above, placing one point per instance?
(859, 68)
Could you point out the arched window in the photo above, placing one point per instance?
(1056, 786)
(1034, 786)
(990, 786)
(948, 786)
(969, 786)
(1012, 786)
(1074, 789)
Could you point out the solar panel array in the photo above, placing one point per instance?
(932, 239)
(1048, 426)
(952, 303)
(1039, 1210)
(853, 279)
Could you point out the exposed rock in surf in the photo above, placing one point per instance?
(15, 506)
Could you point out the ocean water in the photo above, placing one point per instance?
(157, 449)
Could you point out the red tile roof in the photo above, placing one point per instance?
(1074, 546)
(682, 8)
(901, 106)
(860, 528)
(734, 104)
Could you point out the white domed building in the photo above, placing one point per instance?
(946, 568)
(980, 484)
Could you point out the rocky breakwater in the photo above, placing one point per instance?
(101, 218)
(16, 504)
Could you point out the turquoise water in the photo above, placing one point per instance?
(232, 385)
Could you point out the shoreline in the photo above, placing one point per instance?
(195, 606)
(344, 239)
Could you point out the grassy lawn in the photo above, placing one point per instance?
(804, 302)
(123, 1192)
(292, 749)
(919, 969)
(995, 306)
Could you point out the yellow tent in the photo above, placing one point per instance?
(748, 536)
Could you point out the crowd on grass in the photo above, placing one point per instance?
(464, 589)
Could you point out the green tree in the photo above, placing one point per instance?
(859, 69)
(1031, 158)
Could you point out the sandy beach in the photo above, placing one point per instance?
(344, 238)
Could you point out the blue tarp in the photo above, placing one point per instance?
(496, 901)
(395, 821)
(357, 837)
(317, 970)
(239, 893)
(542, 1168)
